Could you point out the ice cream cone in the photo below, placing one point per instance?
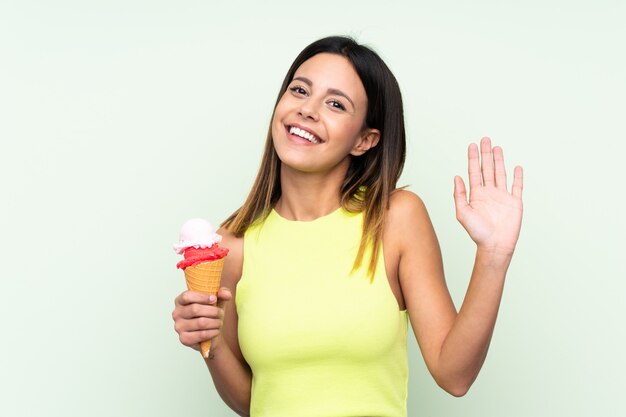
(205, 277)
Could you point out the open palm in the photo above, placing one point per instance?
(493, 215)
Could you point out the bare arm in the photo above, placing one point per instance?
(454, 345)
(200, 318)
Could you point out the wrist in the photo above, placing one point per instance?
(494, 256)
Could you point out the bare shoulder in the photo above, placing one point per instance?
(234, 261)
(402, 201)
(407, 212)
(230, 241)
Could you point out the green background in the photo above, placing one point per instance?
(119, 120)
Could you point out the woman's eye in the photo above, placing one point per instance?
(298, 90)
(336, 104)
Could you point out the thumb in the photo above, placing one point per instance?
(223, 297)
(460, 195)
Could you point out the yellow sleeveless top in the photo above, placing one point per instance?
(320, 341)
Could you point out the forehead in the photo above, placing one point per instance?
(332, 71)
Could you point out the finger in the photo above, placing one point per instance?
(518, 181)
(224, 294)
(460, 195)
(486, 159)
(473, 167)
(193, 339)
(194, 297)
(201, 323)
(194, 311)
(498, 162)
(184, 326)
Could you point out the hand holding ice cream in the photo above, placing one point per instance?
(204, 260)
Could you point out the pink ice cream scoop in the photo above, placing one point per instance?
(199, 243)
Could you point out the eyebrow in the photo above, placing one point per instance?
(333, 91)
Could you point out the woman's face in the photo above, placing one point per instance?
(319, 121)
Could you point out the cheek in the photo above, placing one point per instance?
(276, 119)
(282, 104)
(347, 131)
(279, 111)
(277, 127)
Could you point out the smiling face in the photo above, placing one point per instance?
(319, 121)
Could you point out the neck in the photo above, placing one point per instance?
(308, 196)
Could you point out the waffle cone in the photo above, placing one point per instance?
(205, 277)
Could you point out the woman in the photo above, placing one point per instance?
(327, 258)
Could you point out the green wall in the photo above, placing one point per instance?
(121, 119)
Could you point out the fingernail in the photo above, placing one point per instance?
(212, 299)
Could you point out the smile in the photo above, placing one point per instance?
(304, 134)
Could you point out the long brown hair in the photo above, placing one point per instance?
(371, 177)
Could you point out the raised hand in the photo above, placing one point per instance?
(493, 215)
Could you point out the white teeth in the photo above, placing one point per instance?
(303, 134)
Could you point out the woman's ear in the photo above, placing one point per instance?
(369, 138)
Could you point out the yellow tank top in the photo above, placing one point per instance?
(321, 341)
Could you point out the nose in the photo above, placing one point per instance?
(308, 110)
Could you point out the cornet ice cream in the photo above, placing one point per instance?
(204, 260)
